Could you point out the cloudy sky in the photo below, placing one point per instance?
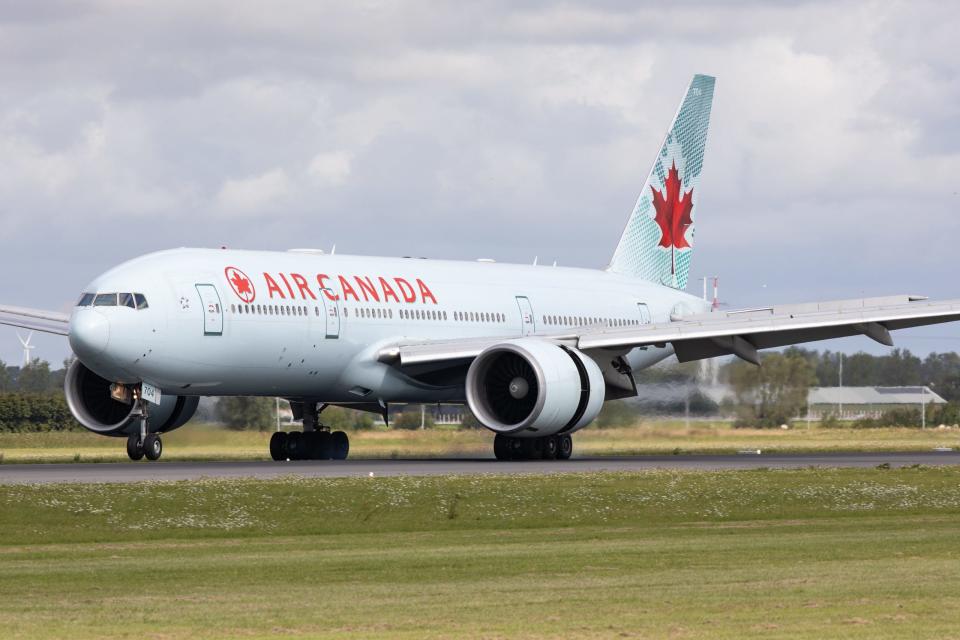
(505, 130)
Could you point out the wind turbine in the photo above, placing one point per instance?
(26, 348)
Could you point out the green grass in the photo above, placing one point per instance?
(207, 442)
(797, 554)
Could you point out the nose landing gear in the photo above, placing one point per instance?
(315, 442)
(143, 444)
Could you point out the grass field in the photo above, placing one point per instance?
(205, 442)
(789, 554)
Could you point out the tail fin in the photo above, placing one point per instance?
(657, 242)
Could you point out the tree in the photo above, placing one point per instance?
(35, 377)
(773, 393)
(241, 413)
(410, 419)
(340, 418)
(469, 420)
(615, 413)
(5, 382)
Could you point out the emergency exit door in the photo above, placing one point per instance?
(528, 322)
(212, 311)
(331, 311)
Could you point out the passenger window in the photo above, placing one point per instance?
(86, 300)
(105, 300)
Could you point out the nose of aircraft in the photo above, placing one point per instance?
(89, 333)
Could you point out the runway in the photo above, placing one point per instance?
(170, 471)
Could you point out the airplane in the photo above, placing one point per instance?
(534, 351)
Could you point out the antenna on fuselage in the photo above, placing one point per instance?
(535, 260)
(26, 347)
(334, 250)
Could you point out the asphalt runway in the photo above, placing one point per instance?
(139, 471)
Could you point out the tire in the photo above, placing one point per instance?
(550, 447)
(295, 445)
(278, 445)
(518, 449)
(340, 445)
(309, 445)
(564, 447)
(324, 446)
(501, 447)
(533, 447)
(152, 447)
(134, 447)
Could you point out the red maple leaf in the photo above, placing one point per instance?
(240, 284)
(673, 211)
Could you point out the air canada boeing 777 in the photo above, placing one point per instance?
(534, 351)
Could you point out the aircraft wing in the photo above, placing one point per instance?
(741, 332)
(35, 319)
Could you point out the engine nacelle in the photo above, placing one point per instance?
(90, 402)
(530, 388)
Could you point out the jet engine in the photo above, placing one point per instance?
(532, 388)
(92, 402)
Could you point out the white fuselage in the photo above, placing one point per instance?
(310, 325)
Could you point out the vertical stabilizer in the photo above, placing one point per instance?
(657, 242)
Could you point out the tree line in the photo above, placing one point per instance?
(31, 397)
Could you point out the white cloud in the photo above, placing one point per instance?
(330, 168)
(255, 194)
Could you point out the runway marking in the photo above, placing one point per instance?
(171, 471)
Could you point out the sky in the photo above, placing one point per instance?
(497, 129)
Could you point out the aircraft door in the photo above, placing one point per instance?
(331, 311)
(644, 313)
(212, 310)
(528, 322)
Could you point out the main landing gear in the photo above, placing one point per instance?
(315, 442)
(558, 447)
(309, 445)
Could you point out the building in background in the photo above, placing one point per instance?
(849, 403)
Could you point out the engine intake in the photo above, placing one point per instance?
(530, 388)
(88, 396)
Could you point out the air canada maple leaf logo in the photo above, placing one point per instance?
(241, 284)
(673, 209)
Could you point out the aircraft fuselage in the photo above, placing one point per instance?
(306, 324)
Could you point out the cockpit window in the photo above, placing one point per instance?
(85, 300)
(141, 300)
(126, 300)
(105, 300)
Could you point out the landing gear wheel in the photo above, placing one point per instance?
(518, 450)
(317, 445)
(340, 445)
(278, 445)
(565, 447)
(309, 442)
(295, 446)
(550, 447)
(152, 446)
(134, 447)
(501, 447)
(323, 446)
